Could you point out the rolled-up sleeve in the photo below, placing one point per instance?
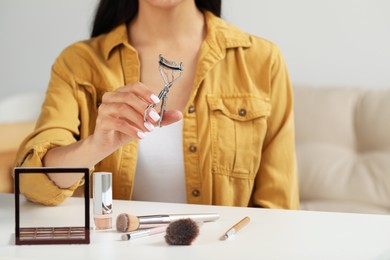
(58, 125)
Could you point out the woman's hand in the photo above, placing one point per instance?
(120, 119)
(121, 116)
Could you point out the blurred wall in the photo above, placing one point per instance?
(32, 34)
(325, 43)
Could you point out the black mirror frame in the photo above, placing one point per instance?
(70, 240)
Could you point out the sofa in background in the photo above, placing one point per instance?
(343, 149)
(18, 114)
(11, 135)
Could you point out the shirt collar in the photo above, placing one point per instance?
(115, 38)
(220, 36)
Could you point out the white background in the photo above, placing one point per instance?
(324, 42)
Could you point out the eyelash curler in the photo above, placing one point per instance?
(170, 72)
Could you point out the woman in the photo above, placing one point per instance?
(232, 141)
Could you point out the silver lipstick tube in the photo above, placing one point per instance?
(102, 199)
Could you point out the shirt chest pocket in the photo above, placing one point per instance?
(238, 125)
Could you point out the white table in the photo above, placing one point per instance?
(271, 234)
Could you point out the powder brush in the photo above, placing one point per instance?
(127, 223)
(182, 232)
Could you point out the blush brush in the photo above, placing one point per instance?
(128, 223)
(182, 232)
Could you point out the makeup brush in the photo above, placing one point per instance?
(182, 232)
(144, 232)
(128, 223)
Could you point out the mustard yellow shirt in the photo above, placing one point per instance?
(238, 126)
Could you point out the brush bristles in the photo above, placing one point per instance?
(126, 223)
(122, 222)
(125, 237)
(182, 232)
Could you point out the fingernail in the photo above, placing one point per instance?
(149, 126)
(154, 115)
(155, 99)
(141, 135)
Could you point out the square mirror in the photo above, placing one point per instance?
(66, 223)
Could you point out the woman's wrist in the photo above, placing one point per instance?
(94, 151)
(84, 153)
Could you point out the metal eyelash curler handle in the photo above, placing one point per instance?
(168, 71)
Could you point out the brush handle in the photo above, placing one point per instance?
(237, 227)
(162, 219)
(144, 232)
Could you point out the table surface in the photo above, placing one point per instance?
(271, 234)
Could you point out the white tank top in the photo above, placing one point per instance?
(159, 174)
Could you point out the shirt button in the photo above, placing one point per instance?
(191, 109)
(192, 148)
(242, 112)
(195, 193)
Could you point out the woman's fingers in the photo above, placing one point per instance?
(120, 125)
(138, 97)
(130, 98)
(141, 91)
(121, 115)
(171, 116)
